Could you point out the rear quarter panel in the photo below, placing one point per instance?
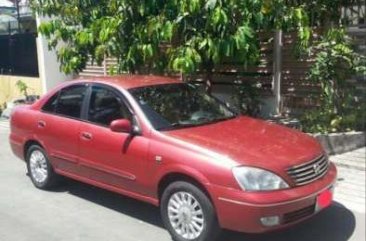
(22, 128)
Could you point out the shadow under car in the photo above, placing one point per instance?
(336, 223)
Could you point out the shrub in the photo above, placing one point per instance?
(341, 107)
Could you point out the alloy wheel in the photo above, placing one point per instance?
(186, 215)
(38, 166)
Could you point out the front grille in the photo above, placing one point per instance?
(310, 171)
(298, 214)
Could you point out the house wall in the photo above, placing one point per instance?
(9, 90)
(49, 68)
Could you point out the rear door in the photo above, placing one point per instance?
(116, 159)
(58, 127)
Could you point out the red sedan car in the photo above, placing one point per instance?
(168, 143)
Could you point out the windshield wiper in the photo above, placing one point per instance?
(177, 126)
(187, 125)
(219, 120)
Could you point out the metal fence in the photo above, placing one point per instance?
(18, 50)
(354, 13)
(18, 55)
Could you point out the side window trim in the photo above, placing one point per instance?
(85, 105)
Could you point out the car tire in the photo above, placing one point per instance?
(188, 213)
(40, 169)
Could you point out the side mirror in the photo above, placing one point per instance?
(121, 125)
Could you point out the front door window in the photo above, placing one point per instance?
(106, 106)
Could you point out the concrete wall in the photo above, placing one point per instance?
(49, 68)
(338, 143)
(9, 90)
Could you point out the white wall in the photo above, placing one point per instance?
(49, 68)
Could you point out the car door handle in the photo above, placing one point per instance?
(41, 124)
(86, 136)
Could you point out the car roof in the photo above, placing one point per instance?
(132, 81)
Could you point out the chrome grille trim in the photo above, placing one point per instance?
(304, 166)
(308, 172)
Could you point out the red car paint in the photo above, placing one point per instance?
(135, 166)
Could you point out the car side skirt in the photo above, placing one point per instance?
(137, 196)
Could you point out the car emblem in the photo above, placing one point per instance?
(316, 168)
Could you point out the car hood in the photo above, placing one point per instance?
(252, 142)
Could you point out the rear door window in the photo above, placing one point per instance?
(51, 104)
(70, 101)
(67, 102)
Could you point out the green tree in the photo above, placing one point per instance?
(22, 87)
(342, 106)
(171, 35)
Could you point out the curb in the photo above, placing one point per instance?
(338, 143)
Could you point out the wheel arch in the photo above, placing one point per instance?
(171, 177)
(28, 144)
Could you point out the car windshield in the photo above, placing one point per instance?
(174, 106)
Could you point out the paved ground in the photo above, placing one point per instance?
(78, 212)
(352, 160)
(351, 175)
(4, 123)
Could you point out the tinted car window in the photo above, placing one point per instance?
(174, 106)
(106, 106)
(70, 101)
(50, 105)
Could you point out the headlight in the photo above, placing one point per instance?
(256, 179)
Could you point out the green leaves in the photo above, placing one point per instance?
(171, 35)
(210, 4)
(108, 28)
(195, 6)
(335, 62)
(219, 17)
(22, 87)
(167, 31)
(70, 59)
(147, 51)
(243, 35)
(185, 60)
(84, 37)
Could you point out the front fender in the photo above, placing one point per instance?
(182, 170)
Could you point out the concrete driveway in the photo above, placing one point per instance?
(76, 211)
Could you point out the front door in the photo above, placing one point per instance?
(115, 159)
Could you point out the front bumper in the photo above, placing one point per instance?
(242, 211)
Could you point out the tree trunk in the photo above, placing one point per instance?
(209, 81)
(209, 74)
